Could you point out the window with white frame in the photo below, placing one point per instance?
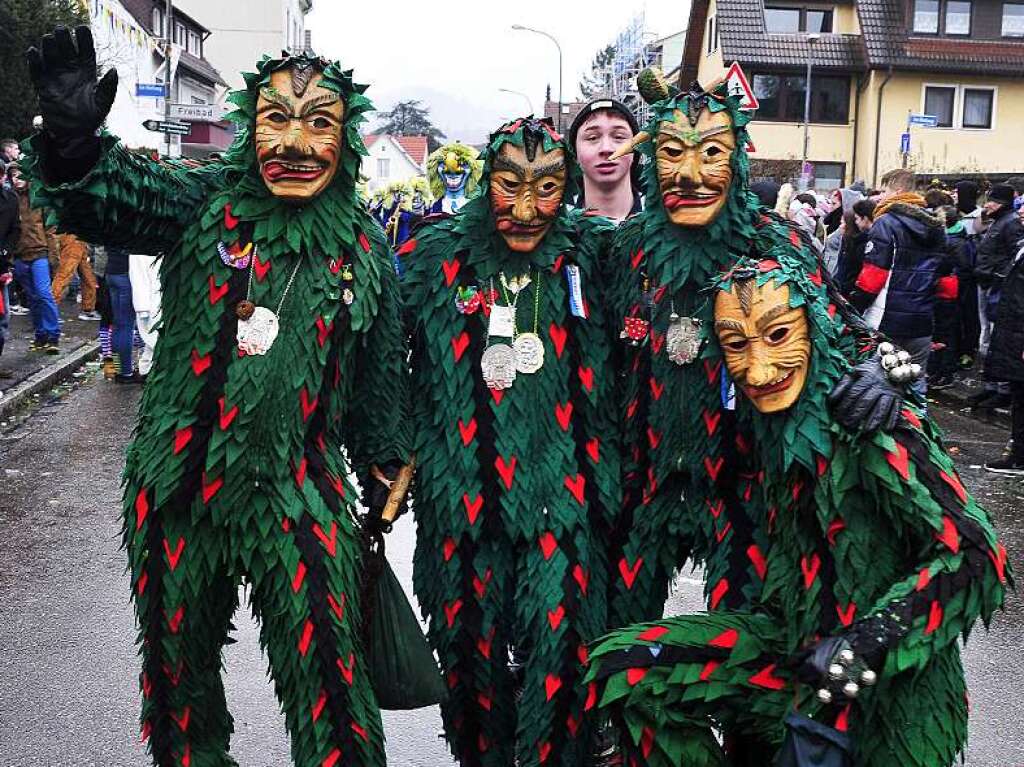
(978, 104)
(383, 167)
(939, 100)
(712, 35)
(1013, 20)
(158, 22)
(926, 17)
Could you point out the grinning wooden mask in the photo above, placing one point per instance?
(298, 134)
(526, 190)
(766, 342)
(694, 167)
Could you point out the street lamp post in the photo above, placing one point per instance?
(804, 175)
(529, 103)
(521, 28)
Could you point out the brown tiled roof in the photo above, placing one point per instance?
(414, 146)
(743, 38)
(200, 67)
(888, 43)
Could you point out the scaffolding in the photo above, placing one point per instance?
(632, 54)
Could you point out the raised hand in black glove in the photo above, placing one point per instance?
(866, 400)
(73, 104)
(376, 492)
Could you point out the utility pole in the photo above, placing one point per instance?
(805, 176)
(168, 26)
(521, 28)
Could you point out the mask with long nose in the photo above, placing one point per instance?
(298, 134)
(765, 341)
(694, 167)
(526, 191)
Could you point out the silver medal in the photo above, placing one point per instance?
(529, 349)
(683, 340)
(498, 366)
(257, 334)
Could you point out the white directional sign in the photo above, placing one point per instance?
(206, 113)
(739, 86)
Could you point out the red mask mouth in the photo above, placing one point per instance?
(511, 227)
(756, 392)
(288, 170)
(673, 200)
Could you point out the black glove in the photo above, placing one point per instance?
(866, 400)
(73, 104)
(835, 670)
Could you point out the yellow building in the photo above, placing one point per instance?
(874, 64)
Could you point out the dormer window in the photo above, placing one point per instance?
(942, 17)
(796, 19)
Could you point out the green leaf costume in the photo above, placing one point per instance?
(236, 469)
(869, 537)
(515, 488)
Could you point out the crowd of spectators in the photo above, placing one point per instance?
(39, 267)
(940, 272)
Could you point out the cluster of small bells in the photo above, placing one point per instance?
(897, 365)
(852, 675)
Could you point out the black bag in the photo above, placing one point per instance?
(811, 744)
(402, 668)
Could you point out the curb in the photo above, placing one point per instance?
(47, 376)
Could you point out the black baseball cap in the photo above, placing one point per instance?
(601, 105)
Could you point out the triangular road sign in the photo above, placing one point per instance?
(738, 85)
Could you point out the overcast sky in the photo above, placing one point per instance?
(456, 54)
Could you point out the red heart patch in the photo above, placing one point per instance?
(593, 449)
(719, 591)
(558, 335)
(346, 670)
(711, 370)
(563, 413)
(586, 377)
(727, 639)
(552, 684)
(846, 614)
(581, 578)
(200, 364)
(364, 243)
(174, 556)
(810, 567)
(637, 258)
(467, 430)
(330, 542)
(181, 438)
(217, 292)
(299, 577)
(472, 507)
(766, 678)
(408, 247)
(949, 535)
(451, 610)
(230, 221)
(653, 634)
(555, 617)
(548, 544)
(449, 549)
(226, 416)
(757, 560)
(713, 467)
(711, 421)
(337, 605)
(657, 341)
(300, 472)
(656, 388)
(634, 675)
(899, 460)
(141, 508)
(210, 488)
(628, 572)
(307, 406)
(576, 486)
(260, 268)
(451, 270)
(459, 344)
(506, 470)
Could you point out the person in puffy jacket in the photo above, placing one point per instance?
(895, 289)
(944, 363)
(1005, 359)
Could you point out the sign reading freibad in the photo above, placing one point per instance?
(197, 112)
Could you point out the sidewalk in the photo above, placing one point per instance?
(19, 366)
(969, 383)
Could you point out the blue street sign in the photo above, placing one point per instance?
(153, 90)
(905, 143)
(925, 121)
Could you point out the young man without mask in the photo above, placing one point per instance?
(281, 342)
(611, 187)
(518, 462)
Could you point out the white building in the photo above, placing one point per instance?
(393, 158)
(128, 35)
(242, 31)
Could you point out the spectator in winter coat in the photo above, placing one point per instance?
(1005, 359)
(839, 234)
(32, 267)
(944, 363)
(967, 204)
(855, 239)
(996, 251)
(10, 230)
(896, 286)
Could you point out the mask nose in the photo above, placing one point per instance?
(525, 207)
(762, 371)
(688, 170)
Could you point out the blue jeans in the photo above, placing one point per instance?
(34, 278)
(124, 318)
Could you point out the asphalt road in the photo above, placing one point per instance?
(68, 666)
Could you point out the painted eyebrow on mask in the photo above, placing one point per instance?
(273, 95)
(327, 99)
(726, 324)
(772, 314)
